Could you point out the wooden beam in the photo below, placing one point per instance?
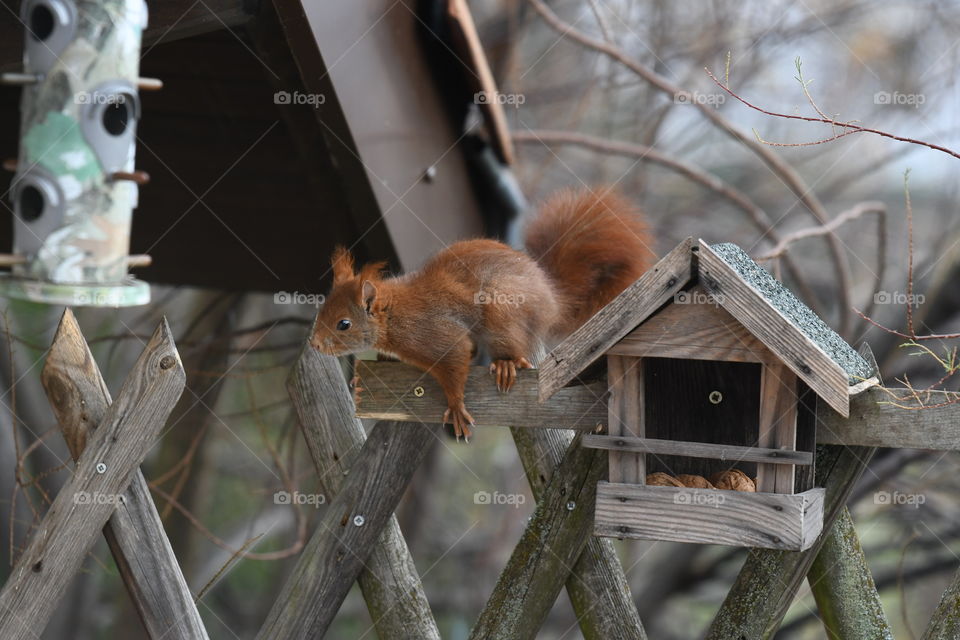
(747, 305)
(597, 586)
(88, 498)
(847, 600)
(389, 391)
(148, 567)
(779, 457)
(396, 391)
(709, 516)
(389, 581)
(553, 540)
(876, 421)
(353, 522)
(637, 303)
(625, 417)
(769, 579)
(779, 394)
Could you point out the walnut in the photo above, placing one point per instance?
(733, 480)
(660, 479)
(694, 482)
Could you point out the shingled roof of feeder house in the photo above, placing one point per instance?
(768, 310)
(799, 314)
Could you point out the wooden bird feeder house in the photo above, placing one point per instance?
(717, 368)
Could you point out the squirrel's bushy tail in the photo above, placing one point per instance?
(593, 244)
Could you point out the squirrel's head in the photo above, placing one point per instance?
(348, 321)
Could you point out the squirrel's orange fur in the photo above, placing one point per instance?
(586, 248)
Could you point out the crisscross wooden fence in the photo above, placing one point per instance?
(358, 538)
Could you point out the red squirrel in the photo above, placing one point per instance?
(585, 247)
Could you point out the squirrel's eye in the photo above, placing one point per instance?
(343, 325)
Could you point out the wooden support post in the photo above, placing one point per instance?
(389, 580)
(945, 622)
(767, 583)
(778, 425)
(597, 586)
(345, 536)
(843, 587)
(88, 498)
(147, 564)
(625, 408)
(553, 540)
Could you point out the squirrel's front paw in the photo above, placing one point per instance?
(505, 371)
(461, 420)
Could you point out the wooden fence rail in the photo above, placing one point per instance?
(134, 533)
(389, 580)
(88, 498)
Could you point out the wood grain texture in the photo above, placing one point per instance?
(747, 305)
(88, 498)
(848, 604)
(709, 516)
(553, 540)
(769, 579)
(874, 422)
(597, 586)
(625, 416)
(389, 581)
(693, 327)
(678, 406)
(389, 391)
(336, 552)
(637, 303)
(778, 457)
(778, 425)
(148, 567)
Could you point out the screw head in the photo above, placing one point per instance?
(101, 467)
(358, 521)
(715, 397)
(167, 361)
(571, 505)
(418, 391)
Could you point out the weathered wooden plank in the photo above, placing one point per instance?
(149, 569)
(626, 416)
(694, 327)
(88, 498)
(355, 519)
(597, 586)
(637, 303)
(389, 581)
(767, 583)
(395, 391)
(553, 540)
(875, 422)
(747, 305)
(780, 457)
(945, 622)
(842, 585)
(709, 516)
(778, 425)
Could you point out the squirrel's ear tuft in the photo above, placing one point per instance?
(368, 294)
(342, 263)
